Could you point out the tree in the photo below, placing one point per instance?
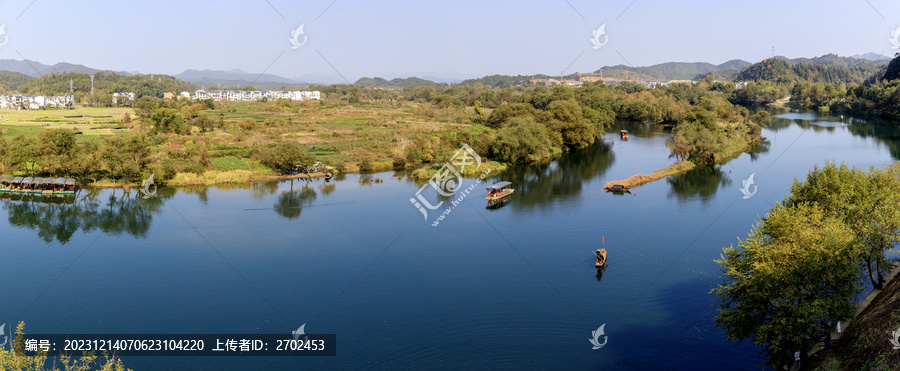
(868, 203)
(57, 148)
(168, 120)
(523, 140)
(568, 120)
(787, 283)
(286, 155)
(25, 155)
(204, 123)
(501, 115)
(146, 105)
(126, 158)
(893, 70)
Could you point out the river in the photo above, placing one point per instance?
(507, 287)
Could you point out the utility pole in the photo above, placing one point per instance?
(92, 85)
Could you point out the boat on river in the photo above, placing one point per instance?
(38, 186)
(6, 184)
(499, 191)
(601, 258)
(617, 188)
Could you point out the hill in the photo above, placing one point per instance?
(105, 82)
(11, 81)
(225, 78)
(503, 81)
(829, 69)
(872, 56)
(673, 70)
(394, 83)
(38, 69)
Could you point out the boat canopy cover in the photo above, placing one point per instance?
(60, 181)
(37, 181)
(7, 179)
(48, 180)
(27, 180)
(18, 179)
(500, 185)
(70, 181)
(623, 131)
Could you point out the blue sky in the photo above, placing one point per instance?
(405, 38)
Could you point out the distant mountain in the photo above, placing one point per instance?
(672, 70)
(828, 69)
(213, 84)
(734, 64)
(233, 77)
(833, 60)
(11, 81)
(872, 56)
(38, 69)
(395, 83)
(26, 67)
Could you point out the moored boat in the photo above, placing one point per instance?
(16, 184)
(69, 187)
(6, 184)
(48, 186)
(617, 188)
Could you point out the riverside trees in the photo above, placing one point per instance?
(801, 267)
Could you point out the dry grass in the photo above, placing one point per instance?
(211, 177)
(641, 179)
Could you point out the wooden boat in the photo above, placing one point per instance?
(16, 184)
(27, 185)
(69, 187)
(617, 188)
(48, 186)
(601, 258)
(499, 190)
(624, 134)
(6, 184)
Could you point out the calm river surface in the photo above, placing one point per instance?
(513, 287)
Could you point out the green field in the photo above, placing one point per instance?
(91, 122)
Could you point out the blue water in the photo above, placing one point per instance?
(513, 287)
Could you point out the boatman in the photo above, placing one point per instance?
(601, 258)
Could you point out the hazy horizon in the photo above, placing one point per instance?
(354, 39)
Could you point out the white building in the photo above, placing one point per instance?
(35, 101)
(127, 96)
(256, 95)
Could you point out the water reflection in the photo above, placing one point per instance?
(290, 203)
(538, 186)
(883, 132)
(58, 219)
(700, 183)
(599, 275)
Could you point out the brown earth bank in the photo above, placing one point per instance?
(866, 343)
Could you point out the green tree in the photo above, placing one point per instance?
(787, 283)
(126, 158)
(56, 148)
(286, 155)
(868, 203)
(523, 140)
(168, 120)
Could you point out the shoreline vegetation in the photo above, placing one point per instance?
(697, 144)
(185, 142)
